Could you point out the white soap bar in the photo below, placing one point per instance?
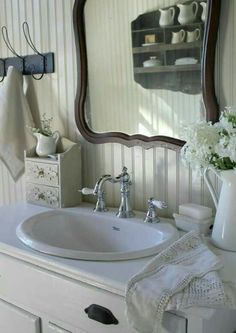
(195, 211)
(187, 224)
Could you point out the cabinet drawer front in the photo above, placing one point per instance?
(43, 195)
(64, 299)
(42, 173)
(14, 319)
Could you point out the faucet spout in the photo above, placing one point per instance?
(99, 184)
(99, 191)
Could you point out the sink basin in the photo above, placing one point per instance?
(85, 235)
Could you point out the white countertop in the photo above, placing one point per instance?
(111, 276)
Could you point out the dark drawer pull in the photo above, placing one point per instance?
(101, 314)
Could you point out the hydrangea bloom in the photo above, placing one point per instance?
(214, 145)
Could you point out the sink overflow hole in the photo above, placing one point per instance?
(115, 228)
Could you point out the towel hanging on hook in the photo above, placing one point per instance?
(39, 63)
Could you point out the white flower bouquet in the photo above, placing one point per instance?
(46, 128)
(210, 144)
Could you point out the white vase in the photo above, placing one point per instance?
(46, 145)
(224, 228)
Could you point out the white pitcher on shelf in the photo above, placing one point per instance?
(187, 12)
(204, 9)
(167, 16)
(193, 36)
(178, 36)
(46, 145)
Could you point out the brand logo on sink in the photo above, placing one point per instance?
(115, 228)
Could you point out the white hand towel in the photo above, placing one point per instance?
(15, 115)
(180, 276)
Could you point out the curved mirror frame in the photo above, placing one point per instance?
(207, 81)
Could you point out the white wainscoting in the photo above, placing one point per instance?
(155, 172)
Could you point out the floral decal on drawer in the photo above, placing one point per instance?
(42, 173)
(43, 195)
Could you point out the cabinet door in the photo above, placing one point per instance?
(14, 319)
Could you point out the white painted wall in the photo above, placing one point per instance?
(155, 172)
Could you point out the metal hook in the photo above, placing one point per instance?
(3, 70)
(40, 77)
(7, 42)
(28, 39)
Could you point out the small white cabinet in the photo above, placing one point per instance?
(15, 320)
(54, 183)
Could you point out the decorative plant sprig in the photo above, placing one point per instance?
(45, 126)
(212, 145)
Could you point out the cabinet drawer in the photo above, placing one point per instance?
(43, 195)
(42, 173)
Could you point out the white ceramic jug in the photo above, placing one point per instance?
(46, 145)
(178, 36)
(193, 36)
(167, 16)
(204, 7)
(187, 12)
(224, 228)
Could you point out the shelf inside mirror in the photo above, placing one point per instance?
(161, 47)
(167, 69)
(176, 26)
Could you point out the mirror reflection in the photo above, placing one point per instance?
(144, 73)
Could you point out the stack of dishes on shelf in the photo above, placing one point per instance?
(186, 61)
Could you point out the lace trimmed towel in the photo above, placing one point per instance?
(181, 276)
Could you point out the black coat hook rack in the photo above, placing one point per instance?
(39, 63)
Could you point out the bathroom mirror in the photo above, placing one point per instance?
(113, 104)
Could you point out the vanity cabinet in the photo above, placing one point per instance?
(36, 300)
(54, 182)
(60, 302)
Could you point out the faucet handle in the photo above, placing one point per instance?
(87, 191)
(151, 216)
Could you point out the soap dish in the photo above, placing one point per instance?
(186, 223)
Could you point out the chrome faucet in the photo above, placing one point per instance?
(125, 209)
(151, 216)
(99, 192)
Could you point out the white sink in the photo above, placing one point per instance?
(82, 234)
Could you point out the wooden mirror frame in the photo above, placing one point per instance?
(207, 79)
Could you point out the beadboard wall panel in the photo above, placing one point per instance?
(155, 172)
